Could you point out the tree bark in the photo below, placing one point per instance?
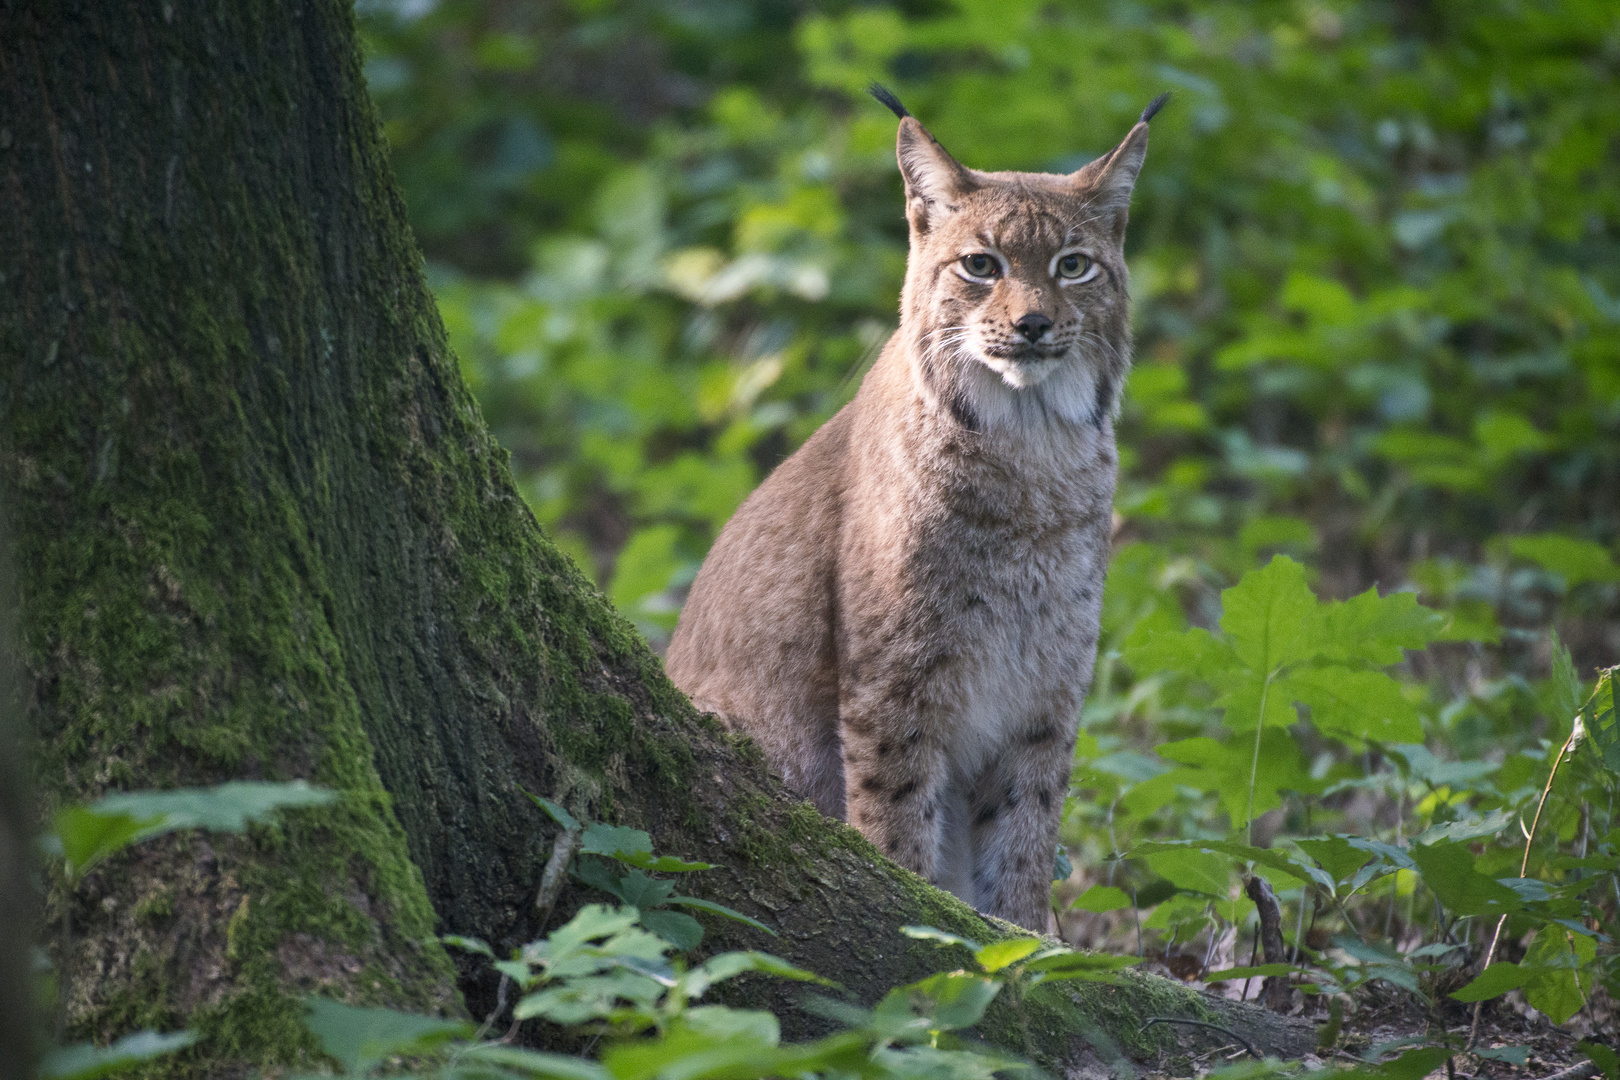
(263, 532)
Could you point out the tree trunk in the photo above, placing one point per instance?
(262, 531)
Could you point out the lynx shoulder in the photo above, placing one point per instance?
(904, 615)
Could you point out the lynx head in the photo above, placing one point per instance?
(1015, 296)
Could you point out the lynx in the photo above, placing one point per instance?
(904, 615)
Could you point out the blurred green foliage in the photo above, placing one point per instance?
(1375, 257)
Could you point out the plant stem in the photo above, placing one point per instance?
(1254, 764)
(1524, 863)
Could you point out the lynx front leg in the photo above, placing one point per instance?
(1016, 805)
(894, 783)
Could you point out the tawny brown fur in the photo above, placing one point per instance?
(904, 615)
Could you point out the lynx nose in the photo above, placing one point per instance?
(1033, 326)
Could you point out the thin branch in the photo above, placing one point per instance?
(1247, 1045)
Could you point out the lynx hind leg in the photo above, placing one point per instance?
(803, 750)
(894, 786)
(1016, 805)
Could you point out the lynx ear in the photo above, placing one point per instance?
(1107, 183)
(934, 179)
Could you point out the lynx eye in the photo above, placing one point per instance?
(980, 265)
(1074, 267)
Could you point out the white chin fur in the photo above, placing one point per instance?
(1019, 376)
(1012, 396)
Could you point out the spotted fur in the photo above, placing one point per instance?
(904, 616)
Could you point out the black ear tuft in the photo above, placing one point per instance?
(883, 94)
(1153, 107)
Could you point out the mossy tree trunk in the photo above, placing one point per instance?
(261, 531)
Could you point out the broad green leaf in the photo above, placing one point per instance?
(1577, 561)
(720, 909)
(1354, 705)
(1494, 981)
(358, 1038)
(615, 841)
(754, 1026)
(948, 1001)
(1335, 854)
(1275, 859)
(1603, 1057)
(1224, 768)
(1448, 870)
(681, 931)
(1559, 972)
(86, 1061)
(1195, 652)
(229, 807)
(1101, 898)
(1513, 1055)
(1271, 616)
(1376, 629)
(1196, 871)
(999, 954)
(1246, 695)
(640, 891)
(1412, 1065)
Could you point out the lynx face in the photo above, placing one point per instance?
(1016, 284)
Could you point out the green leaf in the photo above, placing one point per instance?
(556, 812)
(681, 931)
(1196, 871)
(948, 1001)
(1413, 1065)
(720, 909)
(1513, 1055)
(229, 807)
(358, 1038)
(1335, 854)
(929, 933)
(1576, 561)
(88, 834)
(1271, 615)
(1448, 870)
(640, 891)
(86, 1061)
(663, 864)
(731, 964)
(1062, 868)
(1062, 963)
(537, 1062)
(1102, 898)
(1567, 690)
(615, 841)
(1560, 972)
(1603, 721)
(1376, 629)
(1603, 1057)
(470, 944)
(999, 954)
(1195, 652)
(1354, 705)
(85, 836)
(1257, 971)
(1494, 981)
